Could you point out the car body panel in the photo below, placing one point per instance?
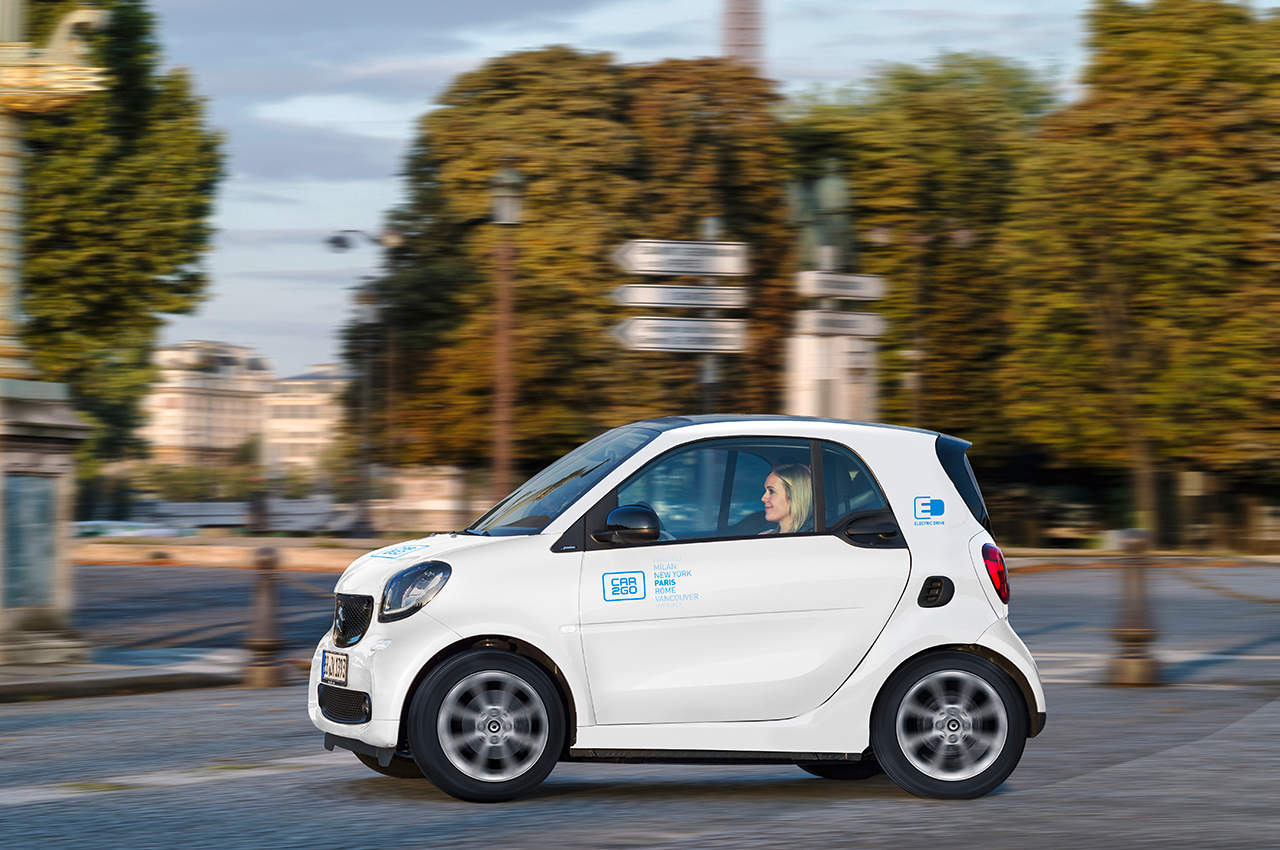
(754, 629)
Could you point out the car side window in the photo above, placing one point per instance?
(749, 473)
(727, 488)
(683, 489)
(847, 484)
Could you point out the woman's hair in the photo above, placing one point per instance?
(799, 483)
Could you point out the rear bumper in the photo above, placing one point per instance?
(1001, 639)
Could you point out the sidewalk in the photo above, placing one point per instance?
(124, 671)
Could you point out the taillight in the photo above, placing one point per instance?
(992, 557)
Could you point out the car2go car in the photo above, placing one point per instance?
(706, 588)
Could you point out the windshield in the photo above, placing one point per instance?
(532, 505)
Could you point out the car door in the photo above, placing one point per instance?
(727, 618)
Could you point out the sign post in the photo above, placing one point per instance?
(853, 287)
(831, 357)
(709, 335)
(662, 257)
(658, 333)
(652, 295)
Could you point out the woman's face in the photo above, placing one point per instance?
(777, 507)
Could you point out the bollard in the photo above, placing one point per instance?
(264, 670)
(1132, 664)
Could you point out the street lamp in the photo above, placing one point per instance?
(507, 186)
(366, 316)
(345, 240)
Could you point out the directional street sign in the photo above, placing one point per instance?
(653, 333)
(858, 287)
(650, 295)
(653, 256)
(828, 323)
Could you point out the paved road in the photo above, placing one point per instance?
(1196, 764)
(226, 769)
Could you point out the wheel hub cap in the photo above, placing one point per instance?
(492, 726)
(952, 725)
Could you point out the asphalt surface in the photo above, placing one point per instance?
(1192, 764)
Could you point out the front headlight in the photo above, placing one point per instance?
(408, 590)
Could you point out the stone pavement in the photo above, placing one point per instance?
(227, 769)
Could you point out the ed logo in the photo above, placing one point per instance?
(928, 507)
(620, 587)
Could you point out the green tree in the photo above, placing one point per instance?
(711, 142)
(608, 154)
(119, 191)
(931, 157)
(1142, 253)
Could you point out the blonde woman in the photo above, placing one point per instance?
(788, 498)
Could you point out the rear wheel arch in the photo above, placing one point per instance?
(505, 643)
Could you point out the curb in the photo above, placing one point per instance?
(113, 683)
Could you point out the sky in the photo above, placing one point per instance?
(318, 100)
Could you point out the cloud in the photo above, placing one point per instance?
(286, 152)
(304, 276)
(668, 37)
(252, 197)
(344, 113)
(309, 237)
(393, 20)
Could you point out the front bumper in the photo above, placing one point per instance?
(383, 666)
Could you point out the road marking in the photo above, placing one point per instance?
(213, 772)
(1205, 584)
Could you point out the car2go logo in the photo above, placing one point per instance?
(622, 587)
(929, 511)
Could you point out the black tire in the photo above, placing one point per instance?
(528, 734)
(401, 767)
(863, 769)
(950, 725)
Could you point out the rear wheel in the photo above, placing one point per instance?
(863, 769)
(400, 767)
(486, 726)
(949, 725)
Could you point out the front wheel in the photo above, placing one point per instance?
(949, 725)
(486, 726)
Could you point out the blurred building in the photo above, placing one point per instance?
(301, 417)
(207, 402)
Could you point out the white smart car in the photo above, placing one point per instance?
(746, 589)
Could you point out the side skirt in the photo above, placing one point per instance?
(705, 756)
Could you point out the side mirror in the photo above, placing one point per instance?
(628, 524)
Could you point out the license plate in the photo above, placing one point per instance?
(333, 667)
